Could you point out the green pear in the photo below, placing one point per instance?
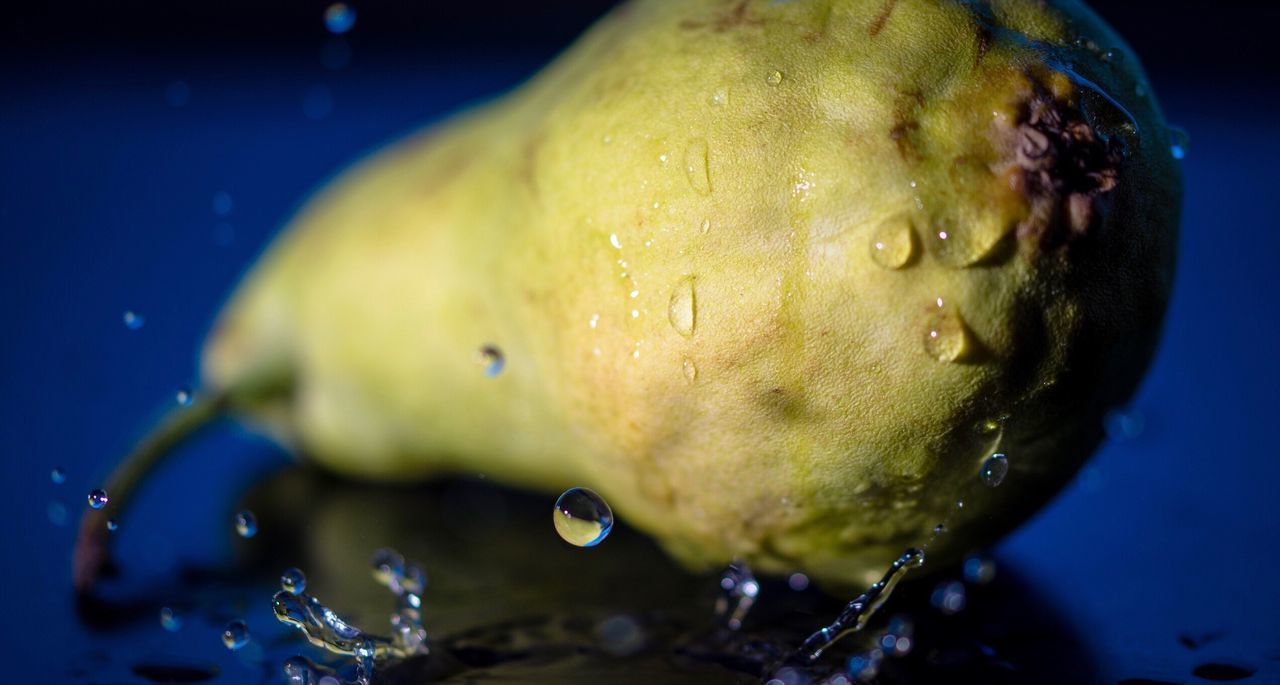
(774, 278)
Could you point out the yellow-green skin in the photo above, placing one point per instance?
(670, 233)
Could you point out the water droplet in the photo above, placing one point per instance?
(98, 499)
(339, 18)
(1124, 424)
(798, 582)
(1179, 142)
(959, 247)
(582, 517)
(246, 524)
(706, 226)
(58, 475)
(959, 504)
(948, 597)
(894, 243)
(690, 370)
(1114, 56)
(697, 166)
(133, 321)
(720, 98)
(222, 203)
(293, 581)
(235, 635)
(683, 307)
(994, 470)
(774, 78)
(170, 620)
(979, 570)
(738, 591)
(112, 525)
(613, 240)
(298, 671)
(184, 396)
(946, 337)
(491, 359)
(940, 529)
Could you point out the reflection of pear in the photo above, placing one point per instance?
(564, 226)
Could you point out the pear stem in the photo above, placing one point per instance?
(91, 551)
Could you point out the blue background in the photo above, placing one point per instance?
(108, 179)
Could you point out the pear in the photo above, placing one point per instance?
(776, 279)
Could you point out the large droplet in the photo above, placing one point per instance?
(697, 166)
(959, 244)
(1179, 142)
(994, 470)
(683, 307)
(235, 635)
(246, 524)
(58, 475)
(946, 338)
(582, 517)
(98, 499)
(894, 243)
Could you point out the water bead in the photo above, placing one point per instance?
(98, 499)
(184, 396)
(58, 475)
(582, 517)
(112, 525)
(1179, 142)
(246, 524)
(133, 321)
(994, 470)
(235, 635)
(339, 18)
(492, 360)
(169, 620)
(293, 581)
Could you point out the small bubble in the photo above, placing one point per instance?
(177, 94)
(133, 321)
(682, 310)
(582, 517)
(1179, 142)
(339, 18)
(170, 620)
(894, 244)
(98, 499)
(774, 78)
(235, 635)
(948, 597)
(293, 581)
(222, 203)
(492, 360)
(58, 475)
(246, 524)
(1124, 424)
(979, 570)
(798, 581)
(112, 526)
(994, 470)
(184, 396)
(697, 166)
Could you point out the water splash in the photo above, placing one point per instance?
(857, 613)
(738, 592)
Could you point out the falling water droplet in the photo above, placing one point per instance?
(184, 396)
(774, 78)
(235, 635)
(293, 581)
(492, 360)
(979, 570)
(948, 597)
(339, 18)
(98, 499)
(1179, 142)
(697, 166)
(994, 470)
(58, 475)
(690, 370)
(894, 243)
(683, 307)
(246, 524)
(112, 525)
(133, 321)
(946, 338)
(582, 517)
(170, 620)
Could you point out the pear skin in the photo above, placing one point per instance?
(774, 278)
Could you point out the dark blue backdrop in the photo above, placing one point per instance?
(114, 152)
